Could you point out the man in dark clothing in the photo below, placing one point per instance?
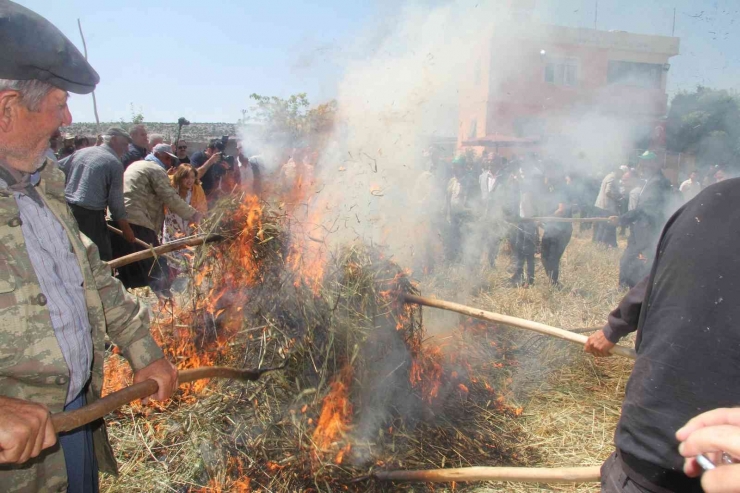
(688, 343)
(181, 149)
(138, 148)
(94, 183)
(557, 202)
(210, 179)
(645, 221)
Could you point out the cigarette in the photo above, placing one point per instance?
(704, 462)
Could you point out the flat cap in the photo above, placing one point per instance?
(166, 148)
(118, 132)
(33, 48)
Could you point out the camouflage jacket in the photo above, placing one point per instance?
(146, 190)
(32, 366)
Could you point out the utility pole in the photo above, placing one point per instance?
(673, 30)
(596, 14)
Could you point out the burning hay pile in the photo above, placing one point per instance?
(364, 386)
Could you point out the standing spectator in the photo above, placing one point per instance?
(210, 168)
(645, 221)
(154, 140)
(59, 301)
(607, 204)
(137, 149)
(81, 142)
(68, 146)
(95, 182)
(249, 169)
(146, 191)
(455, 210)
(691, 187)
(185, 181)
(556, 236)
(526, 235)
(181, 150)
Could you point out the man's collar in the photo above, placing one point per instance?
(155, 159)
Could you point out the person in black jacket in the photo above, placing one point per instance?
(645, 222)
(139, 148)
(688, 342)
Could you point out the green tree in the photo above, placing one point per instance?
(291, 122)
(705, 123)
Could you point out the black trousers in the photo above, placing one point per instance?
(93, 225)
(147, 272)
(553, 248)
(525, 246)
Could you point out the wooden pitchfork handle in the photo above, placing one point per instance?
(70, 420)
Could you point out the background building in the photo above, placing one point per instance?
(567, 90)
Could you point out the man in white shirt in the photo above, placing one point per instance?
(691, 187)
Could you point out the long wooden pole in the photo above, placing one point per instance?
(566, 219)
(95, 102)
(71, 420)
(139, 242)
(512, 321)
(589, 474)
(160, 250)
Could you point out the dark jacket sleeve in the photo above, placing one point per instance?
(625, 317)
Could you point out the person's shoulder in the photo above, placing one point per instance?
(198, 159)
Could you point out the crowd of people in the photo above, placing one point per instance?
(59, 301)
(151, 190)
(491, 200)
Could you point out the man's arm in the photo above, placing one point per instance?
(163, 188)
(127, 322)
(622, 321)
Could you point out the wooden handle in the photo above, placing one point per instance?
(71, 420)
(567, 219)
(161, 250)
(519, 474)
(513, 322)
(139, 242)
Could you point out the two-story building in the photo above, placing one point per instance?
(528, 91)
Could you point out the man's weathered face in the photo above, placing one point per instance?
(25, 134)
(165, 158)
(119, 145)
(140, 137)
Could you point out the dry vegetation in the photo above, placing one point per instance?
(366, 387)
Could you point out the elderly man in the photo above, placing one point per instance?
(146, 191)
(57, 299)
(155, 140)
(688, 343)
(94, 183)
(645, 221)
(139, 146)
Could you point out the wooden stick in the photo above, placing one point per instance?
(566, 219)
(589, 474)
(95, 102)
(71, 420)
(512, 321)
(139, 242)
(166, 248)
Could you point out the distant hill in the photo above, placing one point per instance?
(195, 132)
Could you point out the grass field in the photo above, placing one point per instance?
(568, 402)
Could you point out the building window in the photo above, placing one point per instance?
(649, 75)
(563, 72)
(473, 131)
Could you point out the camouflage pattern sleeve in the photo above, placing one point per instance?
(126, 318)
(167, 193)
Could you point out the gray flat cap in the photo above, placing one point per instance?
(118, 132)
(32, 48)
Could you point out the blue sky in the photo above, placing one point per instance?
(203, 58)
